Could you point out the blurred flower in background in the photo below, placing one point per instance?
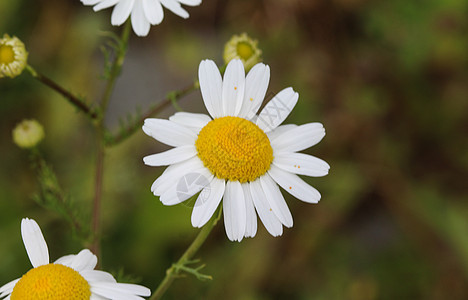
(70, 277)
(244, 48)
(28, 134)
(143, 12)
(13, 56)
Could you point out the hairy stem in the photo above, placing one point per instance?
(96, 217)
(173, 271)
(74, 100)
(115, 72)
(129, 130)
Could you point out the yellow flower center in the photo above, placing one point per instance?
(235, 149)
(52, 282)
(7, 55)
(244, 50)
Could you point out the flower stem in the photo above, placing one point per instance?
(74, 100)
(101, 146)
(129, 130)
(185, 259)
(96, 217)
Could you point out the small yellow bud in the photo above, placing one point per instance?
(28, 133)
(13, 56)
(244, 48)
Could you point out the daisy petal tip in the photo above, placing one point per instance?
(145, 292)
(146, 160)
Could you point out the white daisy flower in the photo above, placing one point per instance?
(236, 154)
(71, 277)
(143, 12)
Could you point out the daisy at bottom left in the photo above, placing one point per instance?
(71, 277)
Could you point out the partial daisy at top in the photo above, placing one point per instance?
(143, 13)
(71, 277)
(235, 154)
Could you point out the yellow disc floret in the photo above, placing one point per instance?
(244, 50)
(13, 56)
(235, 149)
(7, 55)
(52, 282)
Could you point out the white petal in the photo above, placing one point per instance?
(211, 86)
(169, 133)
(175, 7)
(119, 291)
(276, 111)
(170, 157)
(97, 297)
(207, 202)
(90, 2)
(302, 164)
(187, 185)
(109, 293)
(140, 24)
(104, 4)
(299, 138)
(233, 88)
(234, 211)
(190, 119)
(66, 260)
(190, 2)
(8, 288)
(153, 11)
(272, 135)
(251, 225)
(34, 242)
(173, 173)
(276, 200)
(264, 210)
(121, 12)
(96, 276)
(294, 185)
(256, 85)
(85, 260)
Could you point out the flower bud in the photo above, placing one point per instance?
(28, 134)
(13, 56)
(244, 48)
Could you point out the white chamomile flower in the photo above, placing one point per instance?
(236, 154)
(142, 12)
(71, 277)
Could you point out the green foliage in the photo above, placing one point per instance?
(52, 197)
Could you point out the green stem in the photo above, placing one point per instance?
(51, 194)
(129, 130)
(101, 146)
(74, 100)
(96, 217)
(173, 271)
(116, 66)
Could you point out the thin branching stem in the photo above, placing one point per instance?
(173, 272)
(100, 153)
(96, 214)
(130, 129)
(74, 100)
(51, 194)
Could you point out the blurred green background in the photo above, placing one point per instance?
(389, 81)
